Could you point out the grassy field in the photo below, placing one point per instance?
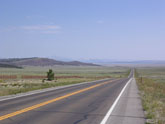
(68, 71)
(151, 82)
(86, 74)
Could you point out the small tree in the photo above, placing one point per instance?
(50, 75)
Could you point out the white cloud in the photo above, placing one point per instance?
(45, 29)
(41, 27)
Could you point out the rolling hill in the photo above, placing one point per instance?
(41, 62)
(9, 66)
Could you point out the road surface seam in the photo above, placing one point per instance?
(65, 112)
(130, 97)
(127, 116)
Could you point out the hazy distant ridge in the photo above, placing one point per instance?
(102, 61)
(41, 62)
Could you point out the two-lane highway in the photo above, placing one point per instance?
(82, 104)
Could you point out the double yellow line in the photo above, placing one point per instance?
(50, 101)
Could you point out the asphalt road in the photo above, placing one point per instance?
(70, 105)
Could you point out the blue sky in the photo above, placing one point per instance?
(83, 29)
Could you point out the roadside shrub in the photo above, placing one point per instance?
(50, 75)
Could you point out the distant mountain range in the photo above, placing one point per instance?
(19, 62)
(126, 62)
(35, 61)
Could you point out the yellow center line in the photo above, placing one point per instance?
(50, 101)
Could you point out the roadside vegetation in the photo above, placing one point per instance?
(32, 78)
(50, 75)
(151, 83)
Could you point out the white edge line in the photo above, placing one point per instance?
(114, 104)
(45, 90)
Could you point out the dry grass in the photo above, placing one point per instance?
(18, 86)
(153, 96)
(74, 74)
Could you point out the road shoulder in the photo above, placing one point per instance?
(129, 109)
